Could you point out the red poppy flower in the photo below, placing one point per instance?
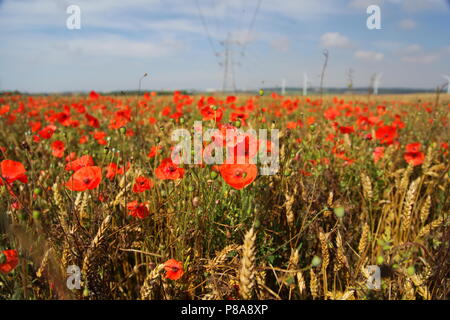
(413, 155)
(92, 121)
(142, 184)
(138, 210)
(47, 132)
(71, 156)
(12, 171)
(386, 134)
(93, 95)
(225, 135)
(414, 158)
(153, 151)
(209, 113)
(238, 176)
(174, 269)
(35, 126)
(9, 261)
(58, 148)
(86, 178)
(239, 116)
(231, 99)
(413, 147)
(310, 120)
(346, 130)
(245, 147)
(378, 153)
(83, 139)
(111, 170)
(84, 161)
(168, 170)
(331, 114)
(4, 109)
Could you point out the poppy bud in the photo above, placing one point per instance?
(411, 270)
(86, 292)
(213, 174)
(36, 215)
(181, 120)
(190, 188)
(261, 92)
(316, 261)
(195, 201)
(123, 130)
(257, 224)
(213, 107)
(37, 191)
(287, 173)
(339, 212)
(237, 124)
(380, 260)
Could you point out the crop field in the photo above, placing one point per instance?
(93, 204)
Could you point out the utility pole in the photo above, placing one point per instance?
(229, 78)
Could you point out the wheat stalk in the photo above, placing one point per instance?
(341, 259)
(150, 281)
(313, 284)
(425, 209)
(88, 270)
(430, 227)
(364, 239)
(367, 186)
(44, 263)
(247, 272)
(408, 205)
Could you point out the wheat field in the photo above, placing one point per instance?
(92, 206)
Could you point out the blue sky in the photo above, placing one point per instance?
(121, 40)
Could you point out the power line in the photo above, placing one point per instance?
(227, 60)
(252, 23)
(216, 16)
(205, 26)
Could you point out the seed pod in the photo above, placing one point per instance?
(195, 201)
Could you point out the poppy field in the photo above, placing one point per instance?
(94, 206)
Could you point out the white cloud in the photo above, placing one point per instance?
(421, 59)
(369, 55)
(335, 39)
(410, 49)
(407, 24)
(122, 47)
